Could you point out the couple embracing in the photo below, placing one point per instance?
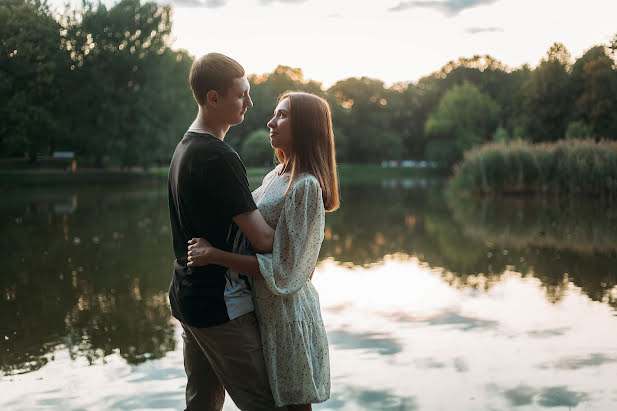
(241, 284)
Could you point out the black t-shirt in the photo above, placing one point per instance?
(207, 187)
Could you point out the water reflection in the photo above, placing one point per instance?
(503, 347)
(91, 280)
(500, 304)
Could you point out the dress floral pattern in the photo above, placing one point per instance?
(286, 303)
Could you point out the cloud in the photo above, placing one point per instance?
(478, 30)
(448, 7)
(521, 395)
(560, 397)
(575, 363)
(372, 341)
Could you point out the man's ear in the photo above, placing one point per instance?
(212, 98)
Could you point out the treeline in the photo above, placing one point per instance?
(103, 82)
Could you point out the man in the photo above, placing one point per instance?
(208, 192)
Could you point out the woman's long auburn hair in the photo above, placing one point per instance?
(312, 144)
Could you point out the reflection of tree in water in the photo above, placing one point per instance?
(90, 272)
(581, 225)
(93, 281)
(374, 222)
(553, 238)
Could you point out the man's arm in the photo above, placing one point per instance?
(255, 228)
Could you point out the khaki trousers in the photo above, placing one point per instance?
(226, 357)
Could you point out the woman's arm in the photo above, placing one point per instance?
(201, 252)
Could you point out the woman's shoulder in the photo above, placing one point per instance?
(305, 183)
(274, 172)
(306, 178)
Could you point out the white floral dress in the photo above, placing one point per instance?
(286, 303)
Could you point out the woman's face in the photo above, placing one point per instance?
(280, 127)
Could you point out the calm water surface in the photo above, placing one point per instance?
(430, 302)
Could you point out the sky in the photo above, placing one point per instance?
(390, 40)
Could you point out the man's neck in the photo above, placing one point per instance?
(205, 123)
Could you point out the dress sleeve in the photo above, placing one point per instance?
(297, 239)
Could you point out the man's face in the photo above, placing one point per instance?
(234, 104)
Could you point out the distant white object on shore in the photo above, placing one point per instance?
(408, 164)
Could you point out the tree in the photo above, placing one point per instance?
(31, 69)
(578, 129)
(256, 149)
(594, 81)
(363, 110)
(115, 55)
(465, 117)
(546, 99)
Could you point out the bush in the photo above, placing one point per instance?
(256, 149)
(578, 129)
(570, 167)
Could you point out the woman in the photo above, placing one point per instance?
(293, 199)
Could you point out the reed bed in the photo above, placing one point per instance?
(575, 167)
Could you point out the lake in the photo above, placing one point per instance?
(431, 302)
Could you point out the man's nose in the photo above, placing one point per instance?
(249, 102)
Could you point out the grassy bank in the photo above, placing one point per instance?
(14, 178)
(566, 167)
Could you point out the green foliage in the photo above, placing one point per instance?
(596, 80)
(124, 70)
(501, 135)
(578, 129)
(104, 83)
(464, 118)
(570, 167)
(362, 111)
(32, 69)
(256, 149)
(546, 98)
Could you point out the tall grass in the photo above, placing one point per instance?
(567, 167)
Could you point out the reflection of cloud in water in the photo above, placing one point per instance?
(553, 332)
(367, 399)
(429, 363)
(521, 395)
(337, 309)
(465, 323)
(575, 363)
(561, 397)
(372, 341)
(446, 318)
(461, 365)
